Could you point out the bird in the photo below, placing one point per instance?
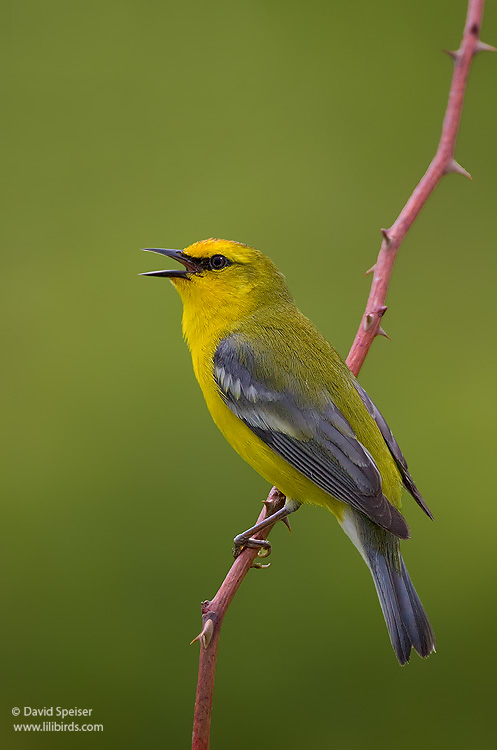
(289, 405)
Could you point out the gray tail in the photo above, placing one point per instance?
(407, 622)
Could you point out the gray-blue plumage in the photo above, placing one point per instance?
(407, 623)
(316, 439)
(394, 449)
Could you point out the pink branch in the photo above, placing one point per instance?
(443, 163)
(212, 617)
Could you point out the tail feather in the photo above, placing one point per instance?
(406, 620)
(391, 607)
(405, 617)
(418, 626)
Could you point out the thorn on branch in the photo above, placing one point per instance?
(370, 270)
(453, 167)
(275, 500)
(482, 47)
(205, 636)
(287, 523)
(368, 321)
(454, 54)
(381, 332)
(386, 236)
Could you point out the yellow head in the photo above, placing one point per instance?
(223, 281)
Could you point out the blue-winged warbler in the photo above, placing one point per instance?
(289, 405)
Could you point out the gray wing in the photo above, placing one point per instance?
(394, 449)
(316, 440)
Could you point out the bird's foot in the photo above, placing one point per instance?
(242, 541)
(278, 508)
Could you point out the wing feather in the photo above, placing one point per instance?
(394, 449)
(316, 439)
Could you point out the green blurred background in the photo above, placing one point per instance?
(300, 129)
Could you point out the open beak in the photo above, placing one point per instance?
(191, 266)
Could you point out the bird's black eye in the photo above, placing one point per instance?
(217, 262)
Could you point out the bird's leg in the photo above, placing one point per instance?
(246, 538)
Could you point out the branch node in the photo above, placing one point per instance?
(482, 47)
(381, 311)
(453, 167)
